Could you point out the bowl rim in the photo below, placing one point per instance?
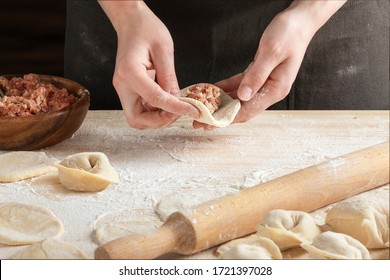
(82, 93)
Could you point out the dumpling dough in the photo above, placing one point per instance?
(223, 117)
(365, 218)
(15, 166)
(251, 247)
(22, 224)
(50, 249)
(86, 172)
(336, 246)
(111, 226)
(183, 201)
(288, 229)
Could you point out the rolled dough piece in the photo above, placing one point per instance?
(288, 229)
(222, 117)
(111, 226)
(86, 172)
(16, 166)
(365, 218)
(183, 201)
(336, 246)
(50, 249)
(251, 247)
(22, 224)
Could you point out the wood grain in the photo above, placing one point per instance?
(233, 216)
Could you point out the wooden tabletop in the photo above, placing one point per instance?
(155, 164)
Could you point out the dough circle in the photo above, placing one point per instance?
(365, 218)
(86, 172)
(223, 117)
(16, 166)
(183, 201)
(336, 246)
(288, 229)
(110, 226)
(22, 224)
(50, 249)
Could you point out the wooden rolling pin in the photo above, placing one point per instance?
(232, 216)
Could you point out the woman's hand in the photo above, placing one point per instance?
(269, 77)
(145, 50)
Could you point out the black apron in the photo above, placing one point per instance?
(346, 65)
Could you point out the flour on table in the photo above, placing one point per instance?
(86, 172)
(110, 226)
(183, 201)
(365, 217)
(25, 224)
(336, 246)
(16, 166)
(288, 229)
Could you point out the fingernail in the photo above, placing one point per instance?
(245, 93)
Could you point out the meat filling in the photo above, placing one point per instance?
(29, 96)
(208, 94)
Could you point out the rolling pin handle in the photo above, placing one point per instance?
(139, 246)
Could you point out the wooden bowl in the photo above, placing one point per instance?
(41, 131)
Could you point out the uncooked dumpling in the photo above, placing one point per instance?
(246, 252)
(15, 166)
(22, 224)
(50, 249)
(288, 229)
(86, 172)
(336, 246)
(251, 247)
(365, 218)
(223, 116)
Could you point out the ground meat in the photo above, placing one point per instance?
(208, 94)
(29, 96)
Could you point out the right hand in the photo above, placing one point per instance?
(145, 49)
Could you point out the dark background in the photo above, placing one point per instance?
(32, 36)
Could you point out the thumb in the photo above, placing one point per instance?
(255, 77)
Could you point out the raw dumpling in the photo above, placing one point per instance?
(22, 224)
(15, 166)
(222, 112)
(288, 229)
(50, 249)
(251, 247)
(364, 218)
(336, 246)
(86, 172)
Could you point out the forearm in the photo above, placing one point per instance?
(119, 11)
(317, 11)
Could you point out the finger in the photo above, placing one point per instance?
(139, 117)
(275, 89)
(206, 127)
(163, 60)
(230, 84)
(155, 96)
(256, 75)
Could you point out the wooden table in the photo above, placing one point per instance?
(155, 164)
